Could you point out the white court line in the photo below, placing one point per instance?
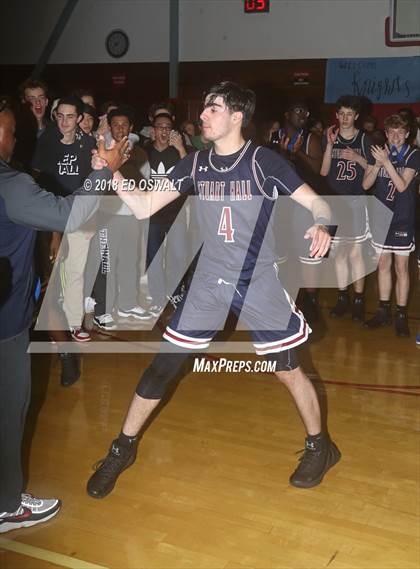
(46, 555)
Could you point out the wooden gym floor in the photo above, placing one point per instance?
(210, 485)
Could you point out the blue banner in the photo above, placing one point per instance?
(382, 80)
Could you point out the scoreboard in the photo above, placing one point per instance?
(256, 6)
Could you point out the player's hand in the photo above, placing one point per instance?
(332, 133)
(321, 240)
(116, 155)
(380, 154)
(97, 163)
(55, 246)
(350, 154)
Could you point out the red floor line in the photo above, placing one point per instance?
(361, 386)
(374, 385)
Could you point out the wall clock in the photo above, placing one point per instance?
(117, 43)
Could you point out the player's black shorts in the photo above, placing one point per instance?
(263, 307)
(399, 239)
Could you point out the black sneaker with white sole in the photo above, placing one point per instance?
(104, 322)
(102, 482)
(316, 460)
(31, 511)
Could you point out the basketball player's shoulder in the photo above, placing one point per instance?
(264, 155)
(413, 159)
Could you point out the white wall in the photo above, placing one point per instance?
(210, 30)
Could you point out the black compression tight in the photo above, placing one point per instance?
(161, 372)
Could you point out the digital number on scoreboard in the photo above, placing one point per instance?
(256, 6)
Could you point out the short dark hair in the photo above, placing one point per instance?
(235, 97)
(299, 104)
(74, 102)
(348, 102)
(121, 112)
(165, 115)
(32, 84)
(103, 109)
(161, 105)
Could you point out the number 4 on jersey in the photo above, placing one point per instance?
(225, 225)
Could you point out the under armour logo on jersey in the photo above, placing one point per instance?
(203, 168)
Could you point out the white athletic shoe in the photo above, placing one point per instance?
(90, 305)
(136, 312)
(156, 309)
(31, 511)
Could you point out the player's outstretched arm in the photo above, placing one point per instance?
(370, 175)
(145, 203)
(318, 233)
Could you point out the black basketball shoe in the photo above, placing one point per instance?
(358, 309)
(401, 324)
(317, 458)
(381, 318)
(108, 469)
(342, 306)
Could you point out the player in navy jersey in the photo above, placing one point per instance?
(344, 164)
(392, 171)
(236, 184)
(303, 149)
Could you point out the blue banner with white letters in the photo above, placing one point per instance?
(382, 80)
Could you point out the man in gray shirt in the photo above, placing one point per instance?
(24, 208)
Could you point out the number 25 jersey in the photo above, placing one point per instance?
(345, 176)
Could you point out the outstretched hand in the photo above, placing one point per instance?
(321, 240)
(332, 133)
(115, 156)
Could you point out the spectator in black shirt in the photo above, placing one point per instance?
(165, 151)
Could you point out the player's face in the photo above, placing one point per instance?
(120, 127)
(396, 137)
(217, 120)
(67, 118)
(38, 101)
(346, 117)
